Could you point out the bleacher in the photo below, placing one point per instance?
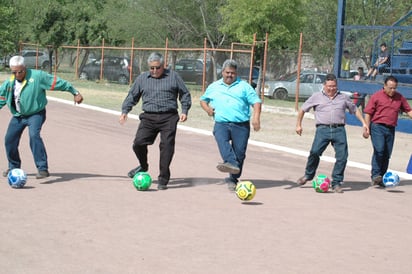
(406, 48)
(400, 67)
(401, 63)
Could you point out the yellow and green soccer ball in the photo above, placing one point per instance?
(142, 181)
(245, 190)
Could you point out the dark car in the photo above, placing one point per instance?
(191, 70)
(115, 69)
(244, 73)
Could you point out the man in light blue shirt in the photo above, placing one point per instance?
(229, 101)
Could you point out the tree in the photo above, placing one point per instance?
(7, 27)
(210, 24)
(280, 18)
(59, 22)
(319, 32)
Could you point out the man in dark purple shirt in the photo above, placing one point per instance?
(381, 114)
(329, 106)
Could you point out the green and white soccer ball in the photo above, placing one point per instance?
(142, 181)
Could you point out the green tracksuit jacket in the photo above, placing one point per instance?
(33, 94)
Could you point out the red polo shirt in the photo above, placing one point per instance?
(384, 109)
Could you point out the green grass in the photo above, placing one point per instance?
(111, 95)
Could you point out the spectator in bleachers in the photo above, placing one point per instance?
(381, 63)
(345, 66)
(359, 98)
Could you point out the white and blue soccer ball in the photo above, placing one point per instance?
(17, 178)
(390, 179)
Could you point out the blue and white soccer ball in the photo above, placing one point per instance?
(17, 178)
(390, 179)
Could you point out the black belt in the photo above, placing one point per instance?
(330, 125)
(162, 112)
(385, 125)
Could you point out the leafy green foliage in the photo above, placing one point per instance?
(7, 24)
(185, 23)
(282, 19)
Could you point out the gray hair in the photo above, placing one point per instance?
(330, 77)
(155, 57)
(16, 61)
(229, 63)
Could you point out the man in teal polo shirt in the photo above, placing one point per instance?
(25, 95)
(229, 101)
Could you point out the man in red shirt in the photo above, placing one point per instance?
(381, 113)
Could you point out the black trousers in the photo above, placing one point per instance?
(151, 124)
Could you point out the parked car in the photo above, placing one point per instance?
(191, 70)
(33, 58)
(244, 73)
(353, 73)
(310, 82)
(115, 69)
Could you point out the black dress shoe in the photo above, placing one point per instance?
(135, 170)
(161, 187)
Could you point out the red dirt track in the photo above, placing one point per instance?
(88, 218)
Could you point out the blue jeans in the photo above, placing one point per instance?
(232, 139)
(382, 68)
(13, 135)
(382, 141)
(323, 137)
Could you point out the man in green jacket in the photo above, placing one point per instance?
(25, 95)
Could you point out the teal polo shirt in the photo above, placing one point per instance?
(231, 102)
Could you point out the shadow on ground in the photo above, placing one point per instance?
(66, 177)
(192, 181)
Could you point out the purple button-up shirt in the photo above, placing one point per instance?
(329, 110)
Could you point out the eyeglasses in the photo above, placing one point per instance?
(18, 72)
(153, 68)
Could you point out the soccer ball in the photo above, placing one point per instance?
(245, 190)
(390, 179)
(321, 183)
(17, 178)
(142, 181)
